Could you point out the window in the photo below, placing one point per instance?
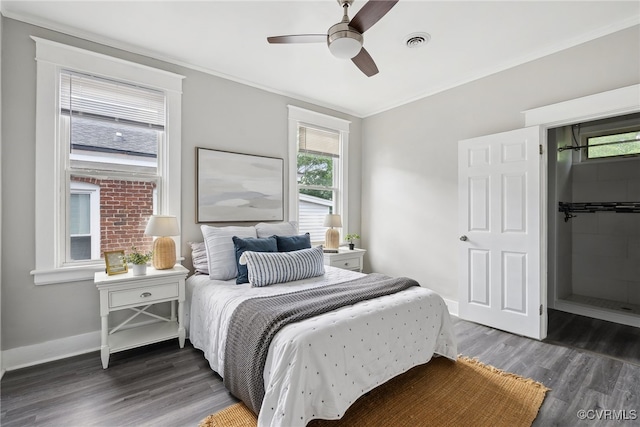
(111, 131)
(108, 137)
(84, 221)
(617, 144)
(318, 157)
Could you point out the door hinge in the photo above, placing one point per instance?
(540, 148)
(540, 309)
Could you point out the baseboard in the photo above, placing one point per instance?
(48, 351)
(597, 313)
(30, 355)
(452, 306)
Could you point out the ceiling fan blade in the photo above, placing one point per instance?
(299, 38)
(371, 13)
(364, 61)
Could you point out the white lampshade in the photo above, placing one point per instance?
(162, 225)
(345, 47)
(332, 220)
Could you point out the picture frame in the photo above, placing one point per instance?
(115, 262)
(236, 187)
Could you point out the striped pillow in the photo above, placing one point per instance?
(267, 268)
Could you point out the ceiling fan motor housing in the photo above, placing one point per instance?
(344, 42)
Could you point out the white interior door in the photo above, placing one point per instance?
(499, 184)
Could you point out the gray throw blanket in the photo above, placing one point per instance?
(255, 322)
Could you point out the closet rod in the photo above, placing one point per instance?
(578, 147)
(569, 208)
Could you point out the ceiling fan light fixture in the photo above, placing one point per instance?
(345, 47)
(343, 41)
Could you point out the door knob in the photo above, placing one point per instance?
(464, 238)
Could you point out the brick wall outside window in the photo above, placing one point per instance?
(125, 207)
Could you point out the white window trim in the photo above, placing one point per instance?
(94, 211)
(300, 116)
(51, 58)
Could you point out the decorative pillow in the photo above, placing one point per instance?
(221, 255)
(293, 243)
(268, 244)
(199, 257)
(266, 229)
(267, 268)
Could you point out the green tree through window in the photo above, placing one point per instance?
(619, 144)
(315, 169)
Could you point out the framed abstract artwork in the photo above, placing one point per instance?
(235, 187)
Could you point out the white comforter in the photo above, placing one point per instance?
(318, 367)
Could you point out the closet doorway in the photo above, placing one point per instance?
(594, 218)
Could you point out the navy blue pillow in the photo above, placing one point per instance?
(293, 243)
(241, 245)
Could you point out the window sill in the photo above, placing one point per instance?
(65, 274)
(76, 273)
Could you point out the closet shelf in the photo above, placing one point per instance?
(568, 208)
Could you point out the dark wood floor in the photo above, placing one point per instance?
(598, 336)
(162, 385)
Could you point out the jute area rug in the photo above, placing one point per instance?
(440, 393)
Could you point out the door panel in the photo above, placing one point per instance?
(479, 284)
(479, 203)
(514, 203)
(514, 282)
(500, 218)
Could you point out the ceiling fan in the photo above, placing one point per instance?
(345, 38)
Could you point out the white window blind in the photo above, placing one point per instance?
(318, 141)
(97, 97)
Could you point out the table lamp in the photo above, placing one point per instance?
(164, 248)
(332, 238)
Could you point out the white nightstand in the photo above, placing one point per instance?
(348, 259)
(138, 293)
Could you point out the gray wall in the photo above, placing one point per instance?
(409, 181)
(1, 369)
(606, 245)
(217, 113)
(559, 230)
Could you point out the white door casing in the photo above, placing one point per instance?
(499, 188)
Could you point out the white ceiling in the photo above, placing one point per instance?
(470, 39)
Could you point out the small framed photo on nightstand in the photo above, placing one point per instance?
(115, 262)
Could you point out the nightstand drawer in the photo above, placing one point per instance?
(143, 295)
(346, 263)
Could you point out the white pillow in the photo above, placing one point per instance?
(266, 229)
(199, 257)
(267, 268)
(221, 255)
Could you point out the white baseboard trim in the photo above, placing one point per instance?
(597, 313)
(30, 355)
(48, 351)
(452, 306)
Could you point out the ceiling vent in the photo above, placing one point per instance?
(414, 40)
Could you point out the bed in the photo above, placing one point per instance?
(319, 363)
(316, 368)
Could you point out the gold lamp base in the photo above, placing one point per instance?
(164, 253)
(332, 239)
